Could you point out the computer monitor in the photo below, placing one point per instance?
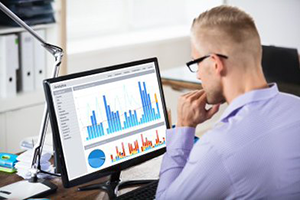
(106, 120)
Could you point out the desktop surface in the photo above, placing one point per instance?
(181, 74)
(180, 78)
(149, 170)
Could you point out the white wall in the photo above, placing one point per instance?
(278, 21)
(2, 133)
(170, 53)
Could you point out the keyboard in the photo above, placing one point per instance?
(142, 193)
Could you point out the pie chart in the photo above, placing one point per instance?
(96, 158)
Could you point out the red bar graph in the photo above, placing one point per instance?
(135, 148)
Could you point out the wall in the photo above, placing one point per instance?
(278, 21)
(2, 133)
(170, 53)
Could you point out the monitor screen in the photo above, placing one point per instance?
(107, 119)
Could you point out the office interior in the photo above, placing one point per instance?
(100, 33)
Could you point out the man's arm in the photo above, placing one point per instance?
(192, 172)
(178, 150)
(179, 167)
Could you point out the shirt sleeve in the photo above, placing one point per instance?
(191, 171)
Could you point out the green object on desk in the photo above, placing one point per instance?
(7, 170)
(8, 160)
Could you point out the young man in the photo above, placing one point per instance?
(253, 152)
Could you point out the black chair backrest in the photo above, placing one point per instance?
(281, 65)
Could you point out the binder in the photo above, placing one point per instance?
(39, 61)
(26, 83)
(9, 64)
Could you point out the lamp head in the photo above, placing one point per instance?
(54, 50)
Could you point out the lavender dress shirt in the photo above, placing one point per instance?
(252, 152)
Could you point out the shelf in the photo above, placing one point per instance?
(9, 29)
(22, 100)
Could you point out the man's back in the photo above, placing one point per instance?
(259, 145)
(252, 153)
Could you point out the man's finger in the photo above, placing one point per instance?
(170, 117)
(196, 95)
(188, 95)
(202, 98)
(212, 111)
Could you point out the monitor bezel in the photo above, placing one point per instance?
(54, 124)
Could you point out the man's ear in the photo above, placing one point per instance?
(219, 66)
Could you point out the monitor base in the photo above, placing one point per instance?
(112, 186)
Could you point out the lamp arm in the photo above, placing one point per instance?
(57, 52)
(38, 149)
(14, 17)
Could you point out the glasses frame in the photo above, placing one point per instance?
(198, 60)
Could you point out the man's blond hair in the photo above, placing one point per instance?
(226, 27)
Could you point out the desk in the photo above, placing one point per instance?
(180, 78)
(147, 170)
(61, 193)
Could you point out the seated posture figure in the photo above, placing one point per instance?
(253, 151)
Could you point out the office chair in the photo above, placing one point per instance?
(281, 65)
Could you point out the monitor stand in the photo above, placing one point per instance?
(114, 184)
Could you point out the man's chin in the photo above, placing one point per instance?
(214, 101)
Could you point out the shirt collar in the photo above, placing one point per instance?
(249, 97)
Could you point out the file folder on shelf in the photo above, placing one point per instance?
(39, 61)
(26, 80)
(9, 64)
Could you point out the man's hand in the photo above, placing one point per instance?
(191, 109)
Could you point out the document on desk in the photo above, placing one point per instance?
(23, 165)
(30, 142)
(180, 74)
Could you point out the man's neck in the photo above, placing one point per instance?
(241, 84)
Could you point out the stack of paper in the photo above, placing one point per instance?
(24, 164)
(30, 142)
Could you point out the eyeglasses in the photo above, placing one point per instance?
(193, 65)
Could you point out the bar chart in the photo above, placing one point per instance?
(116, 121)
(136, 147)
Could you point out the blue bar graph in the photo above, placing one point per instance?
(131, 119)
(95, 130)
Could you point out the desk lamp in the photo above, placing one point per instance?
(34, 187)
